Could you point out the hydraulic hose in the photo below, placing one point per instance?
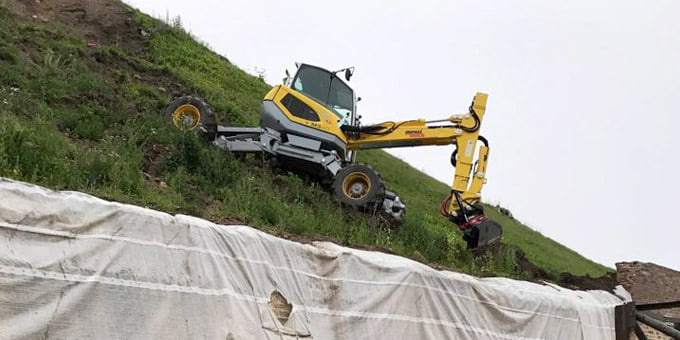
(474, 127)
(454, 154)
(387, 130)
(444, 205)
(483, 140)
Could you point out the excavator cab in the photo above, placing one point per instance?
(311, 107)
(328, 89)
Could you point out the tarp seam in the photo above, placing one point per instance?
(44, 274)
(71, 235)
(419, 320)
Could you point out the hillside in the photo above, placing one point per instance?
(83, 84)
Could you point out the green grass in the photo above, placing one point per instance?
(423, 194)
(89, 118)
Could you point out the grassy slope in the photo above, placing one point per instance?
(423, 193)
(88, 118)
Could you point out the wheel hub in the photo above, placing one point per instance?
(357, 189)
(186, 117)
(356, 185)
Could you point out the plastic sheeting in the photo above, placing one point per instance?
(76, 267)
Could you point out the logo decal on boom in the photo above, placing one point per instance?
(415, 133)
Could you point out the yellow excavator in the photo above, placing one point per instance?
(309, 124)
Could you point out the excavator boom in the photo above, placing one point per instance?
(470, 162)
(460, 130)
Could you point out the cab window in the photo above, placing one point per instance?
(299, 109)
(326, 89)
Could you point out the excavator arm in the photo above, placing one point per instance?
(461, 205)
(464, 157)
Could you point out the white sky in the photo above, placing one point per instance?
(582, 115)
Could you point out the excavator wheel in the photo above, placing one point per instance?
(359, 185)
(193, 114)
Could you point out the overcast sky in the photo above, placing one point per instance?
(582, 115)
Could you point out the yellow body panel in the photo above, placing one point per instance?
(328, 122)
(270, 95)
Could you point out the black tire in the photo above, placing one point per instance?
(359, 186)
(188, 107)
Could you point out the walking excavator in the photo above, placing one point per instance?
(309, 124)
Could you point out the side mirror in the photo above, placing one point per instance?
(287, 78)
(348, 74)
(358, 99)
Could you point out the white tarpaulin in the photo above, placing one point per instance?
(76, 267)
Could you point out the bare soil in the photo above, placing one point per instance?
(100, 22)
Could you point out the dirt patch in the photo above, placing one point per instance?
(102, 23)
(230, 221)
(99, 21)
(606, 282)
(304, 238)
(152, 156)
(529, 268)
(309, 238)
(142, 70)
(380, 249)
(212, 212)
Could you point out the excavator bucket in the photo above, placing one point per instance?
(478, 230)
(484, 233)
